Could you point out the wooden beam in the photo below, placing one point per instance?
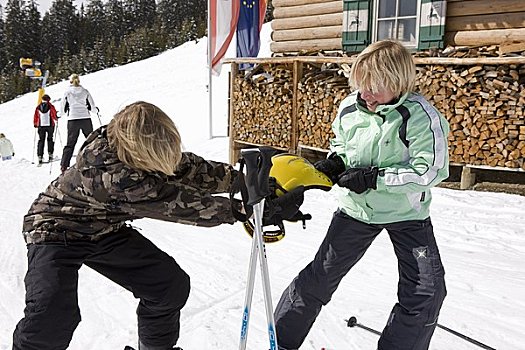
(297, 76)
(308, 10)
(307, 33)
(233, 74)
(483, 7)
(485, 37)
(306, 45)
(333, 19)
(285, 3)
(483, 22)
(349, 60)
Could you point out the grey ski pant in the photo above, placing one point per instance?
(421, 288)
(125, 257)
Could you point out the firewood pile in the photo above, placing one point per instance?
(483, 103)
(485, 108)
(262, 106)
(320, 92)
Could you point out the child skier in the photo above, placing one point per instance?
(6, 148)
(389, 150)
(44, 119)
(127, 170)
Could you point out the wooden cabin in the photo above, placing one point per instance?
(470, 57)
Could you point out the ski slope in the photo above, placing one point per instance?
(481, 238)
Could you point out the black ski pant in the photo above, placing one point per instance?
(421, 287)
(73, 130)
(125, 257)
(42, 132)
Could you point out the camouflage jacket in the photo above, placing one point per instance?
(99, 193)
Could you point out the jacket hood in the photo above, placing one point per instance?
(44, 107)
(76, 89)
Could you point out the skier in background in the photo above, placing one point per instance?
(130, 169)
(389, 150)
(6, 148)
(76, 104)
(44, 119)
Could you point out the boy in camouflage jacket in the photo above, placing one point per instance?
(132, 168)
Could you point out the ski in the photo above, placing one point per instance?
(55, 159)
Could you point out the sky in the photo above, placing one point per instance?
(480, 235)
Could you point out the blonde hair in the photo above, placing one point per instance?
(384, 64)
(145, 138)
(74, 80)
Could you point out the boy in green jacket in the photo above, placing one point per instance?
(389, 150)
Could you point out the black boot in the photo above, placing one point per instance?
(142, 346)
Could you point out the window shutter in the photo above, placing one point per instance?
(432, 24)
(356, 24)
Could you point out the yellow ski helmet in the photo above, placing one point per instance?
(291, 171)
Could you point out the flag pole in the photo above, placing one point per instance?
(210, 100)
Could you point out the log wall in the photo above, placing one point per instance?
(291, 105)
(309, 25)
(485, 22)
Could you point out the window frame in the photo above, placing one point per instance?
(376, 20)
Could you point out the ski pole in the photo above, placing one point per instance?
(258, 164)
(34, 145)
(352, 322)
(249, 294)
(59, 137)
(98, 115)
(464, 337)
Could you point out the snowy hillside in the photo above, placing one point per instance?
(481, 238)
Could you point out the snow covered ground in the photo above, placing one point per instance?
(481, 238)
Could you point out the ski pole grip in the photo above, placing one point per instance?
(258, 164)
(251, 158)
(264, 172)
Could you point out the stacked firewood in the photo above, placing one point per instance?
(485, 108)
(262, 106)
(484, 105)
(320, 92)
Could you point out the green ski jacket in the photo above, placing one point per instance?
(407, 141)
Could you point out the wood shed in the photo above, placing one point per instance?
(470, 57)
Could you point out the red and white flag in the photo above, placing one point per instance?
(223, 22)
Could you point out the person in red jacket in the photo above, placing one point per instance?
(45, 119)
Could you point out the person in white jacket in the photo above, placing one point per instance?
(6, 148)
(76, 104)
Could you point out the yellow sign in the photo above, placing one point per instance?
(33, 72)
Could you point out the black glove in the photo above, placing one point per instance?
(359, 180)
(332, 166)
(285, 207)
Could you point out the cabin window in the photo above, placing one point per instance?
(418, 24)
(397, 19)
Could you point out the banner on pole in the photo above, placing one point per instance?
(251, 19)
(223, 21)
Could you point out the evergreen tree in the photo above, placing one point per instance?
(59, 30)
(32, 44)
(114, 28)
(14, 32)
(3, 58)
(94, 23)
